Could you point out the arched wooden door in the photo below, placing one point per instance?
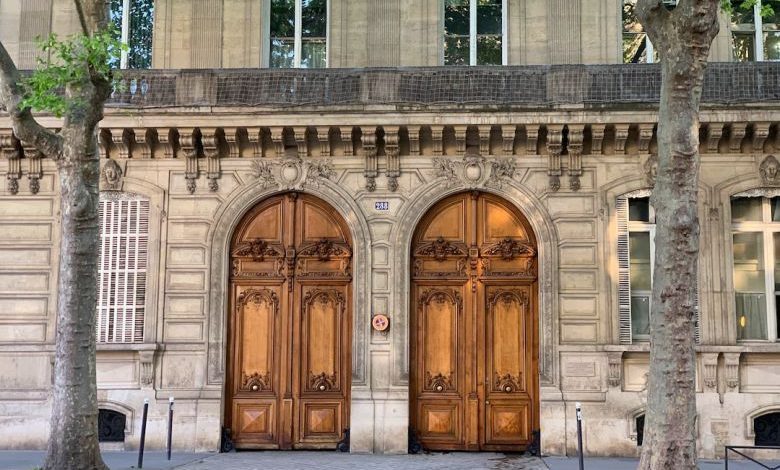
(474, 346)
(289, 325)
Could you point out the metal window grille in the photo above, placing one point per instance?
(124, 239)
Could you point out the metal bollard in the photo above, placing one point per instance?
(143, 434)
(579, 435)
(170, 425)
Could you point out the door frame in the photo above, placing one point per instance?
(235, 206)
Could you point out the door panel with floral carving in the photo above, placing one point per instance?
(289, 373)
(474, 344)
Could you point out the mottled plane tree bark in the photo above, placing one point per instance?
(682, 36)
(73, 443)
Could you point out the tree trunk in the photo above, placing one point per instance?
(74, 441)
(683, 39)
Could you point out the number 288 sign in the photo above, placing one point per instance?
(382, 205)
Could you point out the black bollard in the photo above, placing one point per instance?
(170, 425)
(143, 434)
(579, 435)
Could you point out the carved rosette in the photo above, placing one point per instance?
(322, 382)
(438, 383)
(507, 383)
(256, 382)
(440, 249)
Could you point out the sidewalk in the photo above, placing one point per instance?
(28, 460)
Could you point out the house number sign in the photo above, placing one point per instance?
(380, 322)
(382, 205)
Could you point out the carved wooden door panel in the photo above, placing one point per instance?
(473, 351)
(289, 326)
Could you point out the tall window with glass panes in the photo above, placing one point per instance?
(298, 33)
(754, 30)
(134, 24)
(475, 32)
(755, 224)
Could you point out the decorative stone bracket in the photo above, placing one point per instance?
(146, 359)
(615, 371)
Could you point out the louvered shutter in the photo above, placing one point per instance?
(124, 240)
(624, 272)
(696, 317)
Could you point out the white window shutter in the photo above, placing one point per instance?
(697, 317)
(624, 272)
(124, 239)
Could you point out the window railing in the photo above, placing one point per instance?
(737, 450)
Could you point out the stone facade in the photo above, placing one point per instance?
(563, 158)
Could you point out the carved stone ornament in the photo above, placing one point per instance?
(475, 171)
(770, 171)
(506, 383)
(438, 383)
(111, 176)
(322, 382)
(509, 249)
(291, 173)
(440, 249)
(257, 249)
(256, 382)
(651, 169)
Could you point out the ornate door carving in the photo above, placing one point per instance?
(289, 322)
(474, 379)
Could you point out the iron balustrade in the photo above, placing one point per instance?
(760, 464)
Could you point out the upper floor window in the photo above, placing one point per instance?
(754, 30)
(135, 30)
(755, 223)
(474, 32)
(298, 32)
(124, 239)
(637, 47)
(636, 256)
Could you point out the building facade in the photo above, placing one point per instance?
(435, 255)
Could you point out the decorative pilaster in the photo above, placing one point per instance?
(484, 140)
(714, 134)
(597, 138)
(187, 140)
(210, 141)
(738, 131)
(414, 140)
(554, 149)
(371, 171)
(532, 139)
(143, 148)
(346, 140)
(300, 142)
(437, 135)
(323, 137)
(645, 136)
(508, 139)
(621, 136)
(34, 167)
(393, 161)
(576, 139)
(760, 133)
(11, 151)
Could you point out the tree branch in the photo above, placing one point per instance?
(25, 126)
(93, 15)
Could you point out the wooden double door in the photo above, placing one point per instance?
(474, 354)
(289, 320)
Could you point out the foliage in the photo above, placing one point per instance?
(69, 63)
(141, 28)
(767, 6)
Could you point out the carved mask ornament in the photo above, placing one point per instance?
(769, 170)
(112, 176)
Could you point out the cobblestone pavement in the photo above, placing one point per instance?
(337, 461)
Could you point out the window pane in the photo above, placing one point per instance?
(140, 36)
(314, 18)
(489, 17)
(313, 53)
(751, 316)
(772, 45)
(746, 209)
(640, 315)
(775, 204)
(639, 248)
(456, 17)
(456, 50)
(283, 18)
(282, 53)
(489, 50)
(744, 49)
(741, 13)
(631, 23)
(748, 262)
(634, 48)
(639, 209)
